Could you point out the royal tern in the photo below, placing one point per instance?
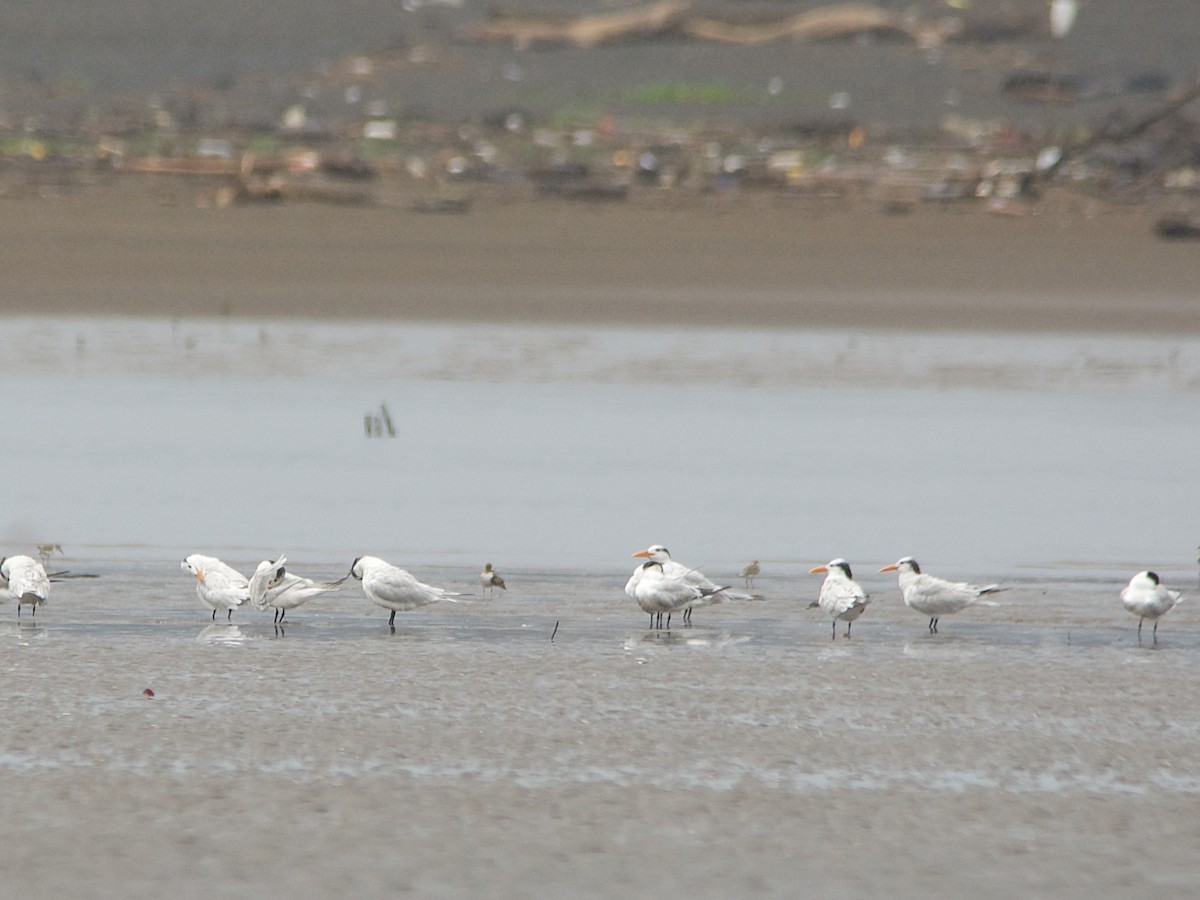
(393, 588)
(841, 596)
(490, 579)
(658, 592)
(750, 572)
(217, 585)
(934, 597)
(272, 585)
(1147, 598)
(712, 592)
(28, 583)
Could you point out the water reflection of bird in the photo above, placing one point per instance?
(750, 572)
(712, 592)
(490, 579)
(45, 551)
(1147, 598)
(272, 585)
(28, 583)
(658, 592)
(393, 588)
(217, 585)
(841, 596)
(935, 597)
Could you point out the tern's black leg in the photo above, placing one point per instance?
(835, 629)
(392, 619)
(214, 617)
(229, 615)
(848, 624)
(1155, 628)
(1139, 631)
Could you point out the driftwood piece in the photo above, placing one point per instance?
(826, 23)
(525, 31)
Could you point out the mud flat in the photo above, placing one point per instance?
(1032, 747)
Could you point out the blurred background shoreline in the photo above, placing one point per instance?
(443, 106)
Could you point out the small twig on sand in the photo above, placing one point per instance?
(554, 632)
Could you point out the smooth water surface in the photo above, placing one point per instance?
(571, 448)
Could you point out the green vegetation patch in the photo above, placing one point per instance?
(681, 92)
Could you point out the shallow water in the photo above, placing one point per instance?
(570, 448)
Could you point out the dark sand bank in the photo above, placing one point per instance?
(710, 262)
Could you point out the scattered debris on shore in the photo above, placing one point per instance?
(188, 148)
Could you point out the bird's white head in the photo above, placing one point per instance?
(194, 565)
(1147, 578)
(838, 566)
(364, 564)
(904, 564)
(656, 552)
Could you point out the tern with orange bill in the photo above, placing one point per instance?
(841, 596)
(657, 592)
(710, 591)
(935, 597)
(219, 586)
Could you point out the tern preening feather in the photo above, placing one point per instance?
(272, 585)
(217, 585)
(393, 588)
(1148, 598)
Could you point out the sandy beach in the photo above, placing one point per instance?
(1070, 265)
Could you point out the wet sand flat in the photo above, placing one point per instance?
(758, 263)
(1032, 747)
